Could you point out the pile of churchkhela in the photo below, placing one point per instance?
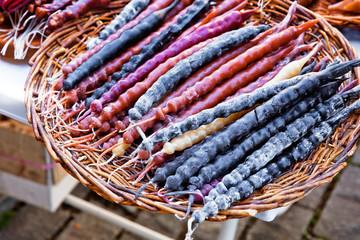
(201, 99)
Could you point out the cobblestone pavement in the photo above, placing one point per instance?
(331, 212)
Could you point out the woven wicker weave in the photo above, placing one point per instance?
(68, 42)
(335, 18)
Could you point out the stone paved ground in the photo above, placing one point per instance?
(331, 212)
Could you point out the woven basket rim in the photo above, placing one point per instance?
(335, 18)
(248, 207)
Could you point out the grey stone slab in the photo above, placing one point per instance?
(7, 203)
(290, 225)
(356, 157)
(340, 219)
(85, 226)
(81, 191)
(313, 199)
(241, 227)
(211, 230)
(34, 223)
(2, 198)
(131, 209)
(313, 238)
(113, 207)
(166, 224)
(130, 236)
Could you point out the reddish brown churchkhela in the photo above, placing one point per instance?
(235, 65)
(239, 80)
(45, 10)
(73, 11)
(270, 75)
(221, 92)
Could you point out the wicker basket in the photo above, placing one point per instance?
(335, 18)
(68, 42)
